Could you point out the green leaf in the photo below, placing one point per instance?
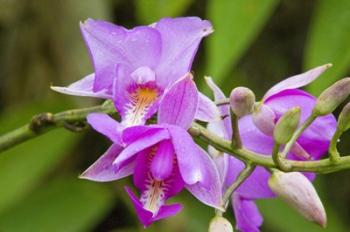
(236, 24)
(329, 42)
(150, 11)
(24, 166)
(65, 204)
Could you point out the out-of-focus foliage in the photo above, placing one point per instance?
(150, 11)
(237, 23)
(65, 204)
(255, 43)
(328, 42)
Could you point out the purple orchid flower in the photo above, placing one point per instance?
(163, 158)
(134, 67)
(314, 142)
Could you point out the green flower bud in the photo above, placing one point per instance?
(220, 224)
(298, 191)
(242, 100)
(344, 118)
(332, 97)
(286, 125)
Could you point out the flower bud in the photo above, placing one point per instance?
(332, 97)
(242, 100)
(298, 192)
(220, 224)
(286, 125)
(264, 118)
(344, 118)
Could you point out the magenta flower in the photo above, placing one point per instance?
(163, 158)
(134, 67)
(312, 144)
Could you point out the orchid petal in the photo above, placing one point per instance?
(297, 81)
(187, 155)
(83, 88)
(180, 40)
(174, 184)
(133, 133)
(110, 44)
(144, 215)
(315, 139)
(197, 169)
(209, 189)
(168, 211)
(179, 104)
(255, 186)
(224, 109)
(143, 75)
(103, 170)
(135, 102)
(206, 111)
(106, 125)
(162, 162)
(248, 217)
(142, 143)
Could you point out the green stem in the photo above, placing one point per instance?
(244, 174)
(43, 123)
(296, 135)
(236, 139)
(333, 151)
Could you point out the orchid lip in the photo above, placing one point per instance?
(142, 98)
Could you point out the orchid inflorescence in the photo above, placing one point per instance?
(255, 148)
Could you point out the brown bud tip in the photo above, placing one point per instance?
(242, 100)
(332, 97)
(220, 224)
(286, 125)
(297, 191)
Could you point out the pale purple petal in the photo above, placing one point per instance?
(196, 168)
(297, 81)
(140, 144)
(264, 118)
(143, 75)
(206, 109)
(110, 44)
(83, 88)
(180, 39)
(209, 189)
(224, 109)
(144, 215)
(179, 104)
(253, 138)
(133, 133)
(187, 155)
(121, 84)
(103, 170)
(255, 186)
(106, 125)
(248, 217)
(168, 211)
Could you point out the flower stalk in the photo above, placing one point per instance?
(58, 120)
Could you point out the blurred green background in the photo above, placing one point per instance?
(256, 43)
